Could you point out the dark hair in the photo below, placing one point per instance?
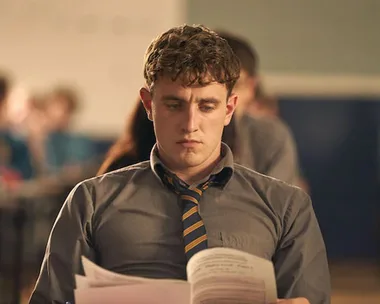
(193, 54)
(260, 90)
(69, 95)
(269, 102)
(4, 87)
(135, 144)
(248, 57)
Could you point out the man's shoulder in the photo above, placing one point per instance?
(120, 177)
(267, 125)
(108, 186)
(130, 169)
(276, 192)
(259, 178)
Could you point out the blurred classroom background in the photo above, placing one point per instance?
(74, 70)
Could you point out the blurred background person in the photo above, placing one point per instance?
(263, 105)
(134, 145)
(15, 157)
(65, 150)
(262, 143)
(36, 126)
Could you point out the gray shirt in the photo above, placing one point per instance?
(267, 146)
(127, 221)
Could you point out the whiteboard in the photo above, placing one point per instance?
(94, 44)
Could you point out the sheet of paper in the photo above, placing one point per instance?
(81, 282)
(225, 275)
(149, 293)
(98, 276)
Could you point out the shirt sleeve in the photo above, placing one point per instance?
(300, 260)
(68, 241)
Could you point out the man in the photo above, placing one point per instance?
(64, 149)
(15, 158)
(265, 106)
(144, 219)
(263, 144)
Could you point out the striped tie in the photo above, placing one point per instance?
(194, 231)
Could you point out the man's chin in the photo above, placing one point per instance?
(188, 160)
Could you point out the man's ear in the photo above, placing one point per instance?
(146, 98)
(230, 108)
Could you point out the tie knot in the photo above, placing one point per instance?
(179, 187)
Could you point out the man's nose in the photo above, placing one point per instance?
(190, 120)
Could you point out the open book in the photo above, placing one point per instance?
(215, 276)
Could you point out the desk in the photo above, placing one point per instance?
(18, 203)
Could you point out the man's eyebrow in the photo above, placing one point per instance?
(210, 100)
(173, 98)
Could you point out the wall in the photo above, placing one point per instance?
(298, 36)
(97, 45)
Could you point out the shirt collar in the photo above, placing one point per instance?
(223, 170)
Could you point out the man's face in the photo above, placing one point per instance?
(58, 113)
(245, 89)
(188, 121)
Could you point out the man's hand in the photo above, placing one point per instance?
(293, 301)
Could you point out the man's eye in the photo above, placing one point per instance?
(173, 106)
(206, 108)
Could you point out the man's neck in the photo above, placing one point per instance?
(191, 175)
(195, 174)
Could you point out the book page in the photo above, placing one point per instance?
(101, 286)
(81, 282)
(97, 276)
(149, 293)
(225, 275)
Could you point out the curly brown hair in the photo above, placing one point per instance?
(193, 54)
